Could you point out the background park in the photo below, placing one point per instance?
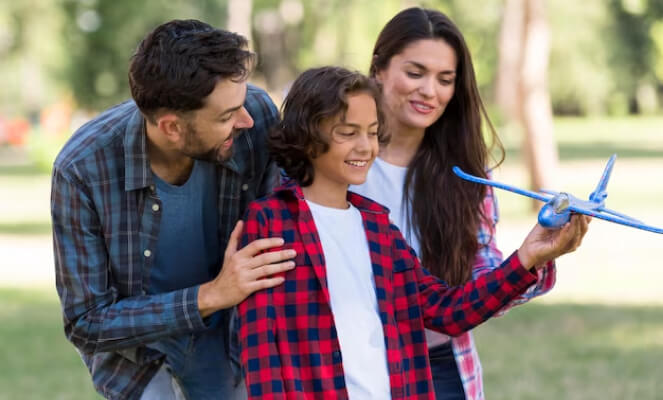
(566, 84)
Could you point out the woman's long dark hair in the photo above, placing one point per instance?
(446, 210)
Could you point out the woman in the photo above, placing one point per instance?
(434, 115)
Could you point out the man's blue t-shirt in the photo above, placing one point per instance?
(188, 244)
(188, 254)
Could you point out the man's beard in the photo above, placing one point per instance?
(194, 148)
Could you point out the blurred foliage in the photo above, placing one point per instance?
(606, 58)
(102, 35)
(43, 148)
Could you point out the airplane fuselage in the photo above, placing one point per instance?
(555, 213)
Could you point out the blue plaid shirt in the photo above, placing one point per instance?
(106, 219)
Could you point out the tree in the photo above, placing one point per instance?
(102, 35)
(522, 91)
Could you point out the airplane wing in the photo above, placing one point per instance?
(538, 196)
(620, 215)
(612, 217)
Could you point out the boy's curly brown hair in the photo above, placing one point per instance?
(316, 95)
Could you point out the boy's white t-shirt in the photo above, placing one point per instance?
(384, 184)
(353, 301)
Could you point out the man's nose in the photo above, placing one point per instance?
(244, 120)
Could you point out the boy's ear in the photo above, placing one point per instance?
(171, 126)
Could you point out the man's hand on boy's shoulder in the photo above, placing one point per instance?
(244, 271)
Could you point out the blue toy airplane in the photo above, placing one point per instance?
(559, 206)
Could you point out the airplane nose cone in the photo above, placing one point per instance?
(548, 218)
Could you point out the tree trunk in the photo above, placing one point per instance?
(522, 86)
(239, 18)
(511, 44)
(536, 110)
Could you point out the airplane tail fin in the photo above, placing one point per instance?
(600, 193)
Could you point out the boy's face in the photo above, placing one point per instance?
(353, 145)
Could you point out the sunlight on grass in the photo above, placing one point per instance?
(25, 204)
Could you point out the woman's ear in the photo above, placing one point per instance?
(375, 72)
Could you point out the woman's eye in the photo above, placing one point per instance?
(375, 133)
(413, 74)
(345, 134)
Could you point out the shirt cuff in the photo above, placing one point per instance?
(517, 274)
(186, 313)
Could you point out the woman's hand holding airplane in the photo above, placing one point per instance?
(543, 244)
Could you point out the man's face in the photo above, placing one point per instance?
(209, 131)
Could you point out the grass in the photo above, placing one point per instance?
(38, 362)
(537, 351)
(24, 200)
(598, 138)
(571, 351)
(584, 147)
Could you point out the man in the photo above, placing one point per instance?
(144, 201)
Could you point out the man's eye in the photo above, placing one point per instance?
(226, 118)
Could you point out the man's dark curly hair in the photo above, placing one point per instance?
(316, 95)
(179, 63)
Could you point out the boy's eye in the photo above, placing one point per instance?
(375, 133)
(345, 133)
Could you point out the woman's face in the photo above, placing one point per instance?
(418, 83)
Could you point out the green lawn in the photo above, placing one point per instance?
(570, 351)
(537, 351)
(37, 361)
(584, 147)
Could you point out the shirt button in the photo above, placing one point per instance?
(337, 355)
(155, 207)
(245, 187)
(147, 253)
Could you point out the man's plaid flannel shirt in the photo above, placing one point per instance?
(106, 221)
(289, 347)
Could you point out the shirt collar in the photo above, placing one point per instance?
(362, 203)
(137, 173)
